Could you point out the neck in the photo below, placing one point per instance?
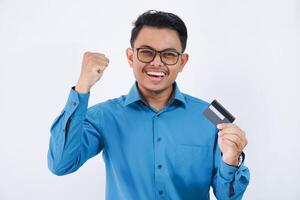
(157, 99)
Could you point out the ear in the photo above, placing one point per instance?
(129, 54)
(183, 60)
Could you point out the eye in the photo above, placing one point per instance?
(169, 54)
(146, 52)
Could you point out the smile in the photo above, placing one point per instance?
(155, 76)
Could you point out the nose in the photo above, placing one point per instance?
(157, 61)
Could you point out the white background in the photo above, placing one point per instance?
(243, 53)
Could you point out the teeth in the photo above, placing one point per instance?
(156, 73)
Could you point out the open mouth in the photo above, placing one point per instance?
(155, 76)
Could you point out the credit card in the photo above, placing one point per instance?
(217, 114)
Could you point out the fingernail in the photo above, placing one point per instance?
(219, 126)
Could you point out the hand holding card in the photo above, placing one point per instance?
(232, 140)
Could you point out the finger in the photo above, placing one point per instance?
(89, 53)
(230, 143)
(101, 56)
(228, 128)
(97, 61)
(99, 68)
(236, 140)
(240, 134)
(86, 54)
(97, 56)
(100, 62)
(234, 131)
(226, 125)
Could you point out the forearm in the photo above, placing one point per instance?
(66, 136)
(230, 182)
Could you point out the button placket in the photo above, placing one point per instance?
(159, 161)
(157, 145)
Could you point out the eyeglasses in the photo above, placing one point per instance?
(167, 57)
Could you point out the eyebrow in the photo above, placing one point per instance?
(149, 47)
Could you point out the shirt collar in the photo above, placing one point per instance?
(134, 95)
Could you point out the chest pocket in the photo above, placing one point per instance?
(193, 165)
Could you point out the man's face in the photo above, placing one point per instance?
(156, 76)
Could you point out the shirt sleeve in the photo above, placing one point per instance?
(75, 135)
(229, 182)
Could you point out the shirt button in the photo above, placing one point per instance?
(159, 166)
(158, 139)
(160, 192)
(74, 103)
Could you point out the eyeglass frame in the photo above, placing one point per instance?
(158, 52)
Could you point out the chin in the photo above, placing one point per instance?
(154, 88)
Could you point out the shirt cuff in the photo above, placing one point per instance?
(77, 103)
(228, 172)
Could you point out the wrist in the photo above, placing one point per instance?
(81, 88)
(232, 160)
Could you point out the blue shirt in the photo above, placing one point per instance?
(168, 154)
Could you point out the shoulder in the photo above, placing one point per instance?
(109, 104)
(192, 101)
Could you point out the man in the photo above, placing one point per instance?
(156, 142)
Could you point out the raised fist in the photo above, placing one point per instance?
(93, 66)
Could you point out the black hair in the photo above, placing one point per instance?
(160, 19)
